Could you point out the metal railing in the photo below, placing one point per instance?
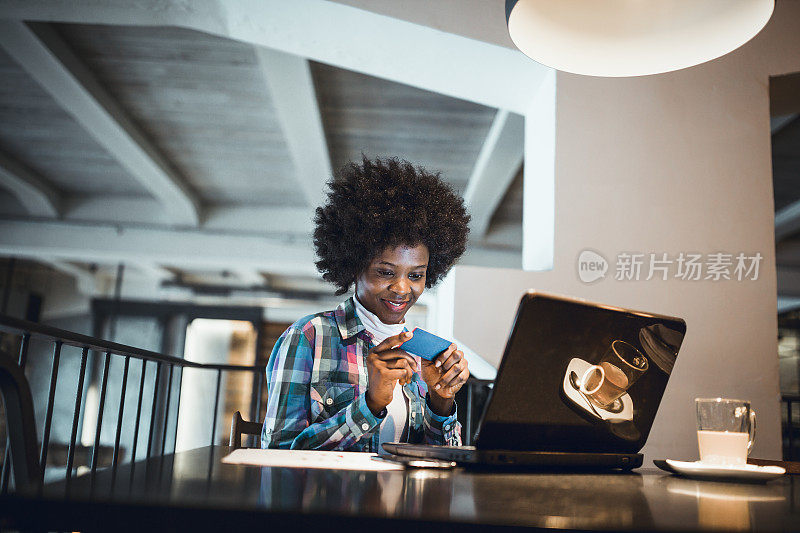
(475, 391)
(59, 338)
(792, 402)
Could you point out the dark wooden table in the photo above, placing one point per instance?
(194, 490)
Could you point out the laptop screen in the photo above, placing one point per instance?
(577, 376)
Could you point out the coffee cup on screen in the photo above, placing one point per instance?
(613, 375)
(725, 430)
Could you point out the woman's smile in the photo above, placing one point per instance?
(396, 306)
(393, 282)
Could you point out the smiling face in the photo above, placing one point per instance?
(393, 281)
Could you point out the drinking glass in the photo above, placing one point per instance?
(725, 430)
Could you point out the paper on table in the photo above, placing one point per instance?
(308, 459)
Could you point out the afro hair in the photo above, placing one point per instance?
(384, 203)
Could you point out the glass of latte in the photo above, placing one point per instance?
(725, 430)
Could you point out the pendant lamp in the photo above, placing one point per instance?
(617, 38)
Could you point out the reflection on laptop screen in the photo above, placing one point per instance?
(577, 376)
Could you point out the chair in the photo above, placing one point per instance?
(239, 427)
(21, 424)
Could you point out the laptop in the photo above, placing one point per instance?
(579, 386)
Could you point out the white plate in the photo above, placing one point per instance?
(699, 470)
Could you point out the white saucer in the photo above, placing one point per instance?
(700, 470)
(579, 366)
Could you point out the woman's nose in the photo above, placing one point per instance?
(400, 287)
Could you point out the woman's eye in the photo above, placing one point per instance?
(416, 277)
(386, 273)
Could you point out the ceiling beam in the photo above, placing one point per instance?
(416, 54)
(496, 167)
(152, 270)
(115, 209)
(451, 16)
(787, 220)
(788, 281)
(492, 257)
(107, 243)
(47, 58)
(85, 281)
(187, 249)
(249, 276)
(269, 219)
(294, 100)
(38, 198)
(776, 124)
(787, 303)
(538, 179)
(340, 35)
(502, 234)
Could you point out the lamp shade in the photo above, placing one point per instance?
(632, 37)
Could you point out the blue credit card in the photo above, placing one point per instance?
(425, 345)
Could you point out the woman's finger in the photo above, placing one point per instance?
(453, 359)
(452, 375)
(399, 363)
(393, 341)
(393, 374)
(393, 355)
(409, 375)
(447, 377)
(456, 383)
(440, 359)
(459, 380)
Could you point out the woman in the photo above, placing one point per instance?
(337, 380)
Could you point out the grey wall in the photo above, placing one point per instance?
(671, 163)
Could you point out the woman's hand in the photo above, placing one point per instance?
(386, 365)
(445, 375)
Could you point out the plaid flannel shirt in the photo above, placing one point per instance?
(316, 390)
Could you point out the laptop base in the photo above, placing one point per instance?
(469, 455)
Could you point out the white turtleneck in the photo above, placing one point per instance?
(379, 331)
(397, 411)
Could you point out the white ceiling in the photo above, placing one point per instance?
(189, 154)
